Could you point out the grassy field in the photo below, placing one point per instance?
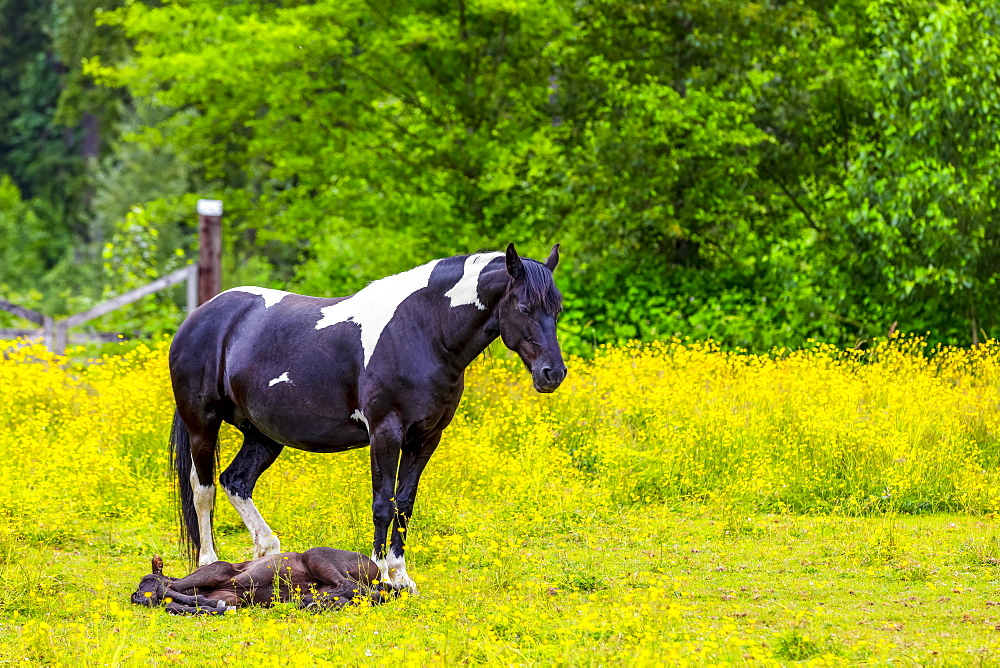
(672, 503)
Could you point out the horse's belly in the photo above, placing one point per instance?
(315, 435)
(227, 595)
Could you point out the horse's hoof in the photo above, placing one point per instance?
(396, 590)
(407, 585)
(267, 547)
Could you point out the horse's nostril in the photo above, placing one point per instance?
(547, 373)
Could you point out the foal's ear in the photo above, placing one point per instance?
(514, 265)
(553, 258)
(157, 565)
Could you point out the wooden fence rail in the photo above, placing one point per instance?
(203, 282)
(56, 332)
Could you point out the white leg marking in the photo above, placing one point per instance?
(204, 500)
(466, 291)
(393, 571)
(283, 378)
(373, 307)
(271, 297)
(360, 417)
(264, 540)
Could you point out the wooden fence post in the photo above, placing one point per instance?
(209, 249)
(49, 331)
(192, 289)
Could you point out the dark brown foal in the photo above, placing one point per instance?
(321, 577)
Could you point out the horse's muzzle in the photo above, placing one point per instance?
(547, 379)
(139, 598)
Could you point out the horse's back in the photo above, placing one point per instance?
(256, 354)
(242, 322)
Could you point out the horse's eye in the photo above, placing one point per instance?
(523, 309)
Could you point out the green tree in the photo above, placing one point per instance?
(921, 195)
(758, 172)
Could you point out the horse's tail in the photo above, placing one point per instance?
(180, 461)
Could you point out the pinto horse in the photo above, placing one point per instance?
(383, 367)
(318, 578)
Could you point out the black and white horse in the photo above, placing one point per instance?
(383, 367)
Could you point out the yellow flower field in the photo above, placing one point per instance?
(595, 525)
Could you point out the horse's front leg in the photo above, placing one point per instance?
(411, 466)
(386, 441)
(213, 577)
(197, 601)
(177, 608)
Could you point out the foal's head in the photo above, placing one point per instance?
(153, 587)
(527, 317)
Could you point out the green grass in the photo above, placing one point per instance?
(663, 585)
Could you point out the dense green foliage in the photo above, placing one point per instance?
(758, 172)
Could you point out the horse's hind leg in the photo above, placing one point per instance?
(195, 456)
(335, 595)
(239, 479)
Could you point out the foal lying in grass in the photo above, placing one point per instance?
(321, 577)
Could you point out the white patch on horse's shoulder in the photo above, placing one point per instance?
(373, 307)
(270, 295)
(283, 378)
(466, 291)
(360, 417)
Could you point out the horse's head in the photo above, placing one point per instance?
(527, 318)
(153, 587)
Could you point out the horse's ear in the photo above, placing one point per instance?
(553, 258)
(157, 565)
(514, 265)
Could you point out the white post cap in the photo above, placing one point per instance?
(210, 207)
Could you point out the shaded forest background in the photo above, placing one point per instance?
(761, 173)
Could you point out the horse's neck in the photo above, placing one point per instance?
(478, 327)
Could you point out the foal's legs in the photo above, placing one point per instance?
(185, 596)
(207, 578)
(196, 601)
(240, 477)
(335, 595)
(176, 608)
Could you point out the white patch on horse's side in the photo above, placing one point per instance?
(360, 417)
(270, 295)
(373, 307)
(283, 378)
(466, 291)
(264, 540)
(204, 500)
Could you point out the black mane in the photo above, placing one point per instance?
(540, 290)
